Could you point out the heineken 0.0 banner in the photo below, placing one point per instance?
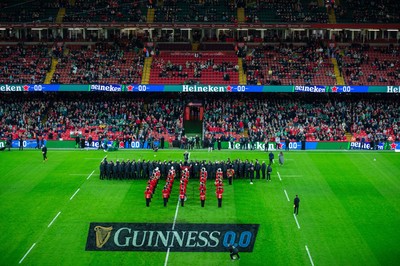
(198, 88)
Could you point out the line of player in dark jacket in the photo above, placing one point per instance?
(142, 169)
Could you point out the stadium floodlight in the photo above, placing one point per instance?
(392, 30)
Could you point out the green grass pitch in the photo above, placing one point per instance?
(349, 211)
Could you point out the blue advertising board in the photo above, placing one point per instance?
(29, 143)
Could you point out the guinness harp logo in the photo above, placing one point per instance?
(102, 235)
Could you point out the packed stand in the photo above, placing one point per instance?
(117, 118)
(301, 118)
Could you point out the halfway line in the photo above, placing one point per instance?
(309, 255)
(279, 176)
(74, 194)
(26, 254)
(294, 215)
(286, 195)
(53, 219)
(173, 227)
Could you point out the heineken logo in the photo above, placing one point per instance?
(7, 87)
(205, 88)
(393, 89)
(160, 237)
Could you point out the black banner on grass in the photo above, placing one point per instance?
(160, 237)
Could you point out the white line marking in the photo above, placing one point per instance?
(26, 254)
(173, 227)
(54, 219)
(297, 222)
(90, 175)
(286, 195)
(74, 194)
(279, 176)
(309, 255)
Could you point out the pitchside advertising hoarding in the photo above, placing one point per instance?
(200, 88)
(29, 143)
(160, 237)
(123, 145)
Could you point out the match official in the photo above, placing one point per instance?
(44, 153)
(296, 204)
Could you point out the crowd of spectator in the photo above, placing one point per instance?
(100, 64)
(118, 117)
(24, 64)
(365, 65)
(265, 118)
(288, 64)
(312, 118)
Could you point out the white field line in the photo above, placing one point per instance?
(34, 244)
(173, 227)
(74, 194)
(90, 175)
(286, 195)
(279, 176)
(26, 254)
(297, 222)
(54, 219)
(309, 255)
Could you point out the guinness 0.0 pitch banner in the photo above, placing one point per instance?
(160, 237)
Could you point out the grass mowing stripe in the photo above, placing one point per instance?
(297, 222)
(74, 194)
(26, 254)
(309, 255)
(52, 221)
(173, 227)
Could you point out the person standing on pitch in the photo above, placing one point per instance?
(44, 153)
(269, 171)
(296, 204)
(202, 198)
(281, 159)
(271, 157)
(234, 252)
